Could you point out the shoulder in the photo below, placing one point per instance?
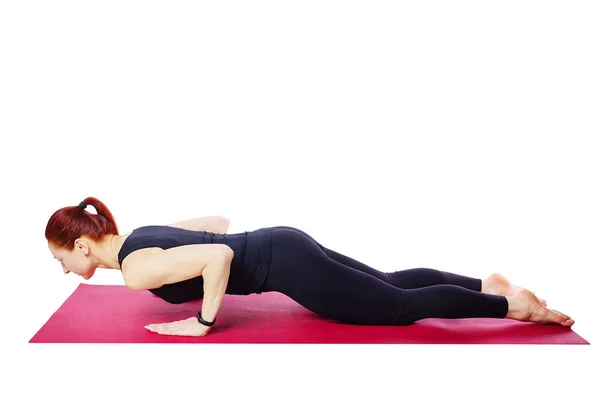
(136, 259)
(139, 246)
(143, 248)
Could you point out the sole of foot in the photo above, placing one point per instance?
(532, 310)
(500, 286)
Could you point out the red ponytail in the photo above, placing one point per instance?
(69, 223)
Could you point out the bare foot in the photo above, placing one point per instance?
(500, 286)
(525, 306)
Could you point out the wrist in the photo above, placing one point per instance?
(204, 322)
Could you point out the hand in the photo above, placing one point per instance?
(185, 327)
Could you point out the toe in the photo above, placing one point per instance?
(540, 300)
(553, 316)
(559, 317)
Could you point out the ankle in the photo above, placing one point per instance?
(516, 309)
(484, 286)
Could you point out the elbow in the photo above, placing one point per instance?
(133, 285)
(137, 283)
(223, 258)
(227, 254)
(219, 268)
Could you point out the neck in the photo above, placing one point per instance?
(107, 251)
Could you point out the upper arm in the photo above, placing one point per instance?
(214, 223)
(156, 267)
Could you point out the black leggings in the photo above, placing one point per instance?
(340, 288)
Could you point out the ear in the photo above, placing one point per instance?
(81, 245)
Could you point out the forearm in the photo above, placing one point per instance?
(216, 277)
(219, 225)
(214, 224)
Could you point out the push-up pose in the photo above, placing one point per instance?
(196, 259)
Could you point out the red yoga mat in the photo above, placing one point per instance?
(116, 314)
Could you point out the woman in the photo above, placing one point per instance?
(196, 259)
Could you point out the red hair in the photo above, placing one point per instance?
(69, 223)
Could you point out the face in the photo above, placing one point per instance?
(77, 261)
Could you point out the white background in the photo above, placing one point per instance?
(460, 136)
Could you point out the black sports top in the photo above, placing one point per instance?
(249, 267)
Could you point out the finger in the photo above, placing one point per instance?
(171, 331)
(164, 330)
(155, 328)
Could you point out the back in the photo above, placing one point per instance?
(249, 267)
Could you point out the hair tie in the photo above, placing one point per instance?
(82, 205)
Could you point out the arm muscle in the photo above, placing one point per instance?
(152, 270)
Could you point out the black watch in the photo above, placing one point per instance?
(203, 322)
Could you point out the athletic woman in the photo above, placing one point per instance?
(198, 259)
